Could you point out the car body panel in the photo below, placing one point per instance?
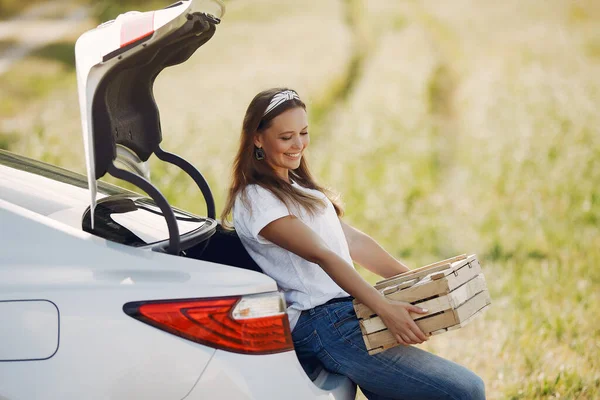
(106, 355)
(93, 261)
(280, 376)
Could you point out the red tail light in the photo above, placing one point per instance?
(250, 324)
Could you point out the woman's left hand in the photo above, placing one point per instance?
(396, 317)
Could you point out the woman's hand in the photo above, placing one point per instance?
(396, 317)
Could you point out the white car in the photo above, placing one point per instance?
(106, 294)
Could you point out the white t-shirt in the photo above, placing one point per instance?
(305, 284)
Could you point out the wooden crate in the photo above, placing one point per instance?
(453, 291)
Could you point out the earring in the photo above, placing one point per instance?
(259, 153)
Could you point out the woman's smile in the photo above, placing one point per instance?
(293, 155)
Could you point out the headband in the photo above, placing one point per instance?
(281, 98)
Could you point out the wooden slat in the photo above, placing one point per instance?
(371, 325)
(426, 267)
(436, 305)
(478, 313)
(450, 260)
(457, 265)
(375, 350)
(433, 323)
(417, 292)
(400, 286)
(436, 323)
(463, 323)
(426, 288)
(409, 276)
(476, 303)
(470, 260)
(453, 299)
(414, 293)
(461, 294)
(437, 275)
(431, 270)
(367, 342)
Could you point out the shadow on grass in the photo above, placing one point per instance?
(7, 139)
(6, 44)
(105, 10)
(10, 8)
(35, 76)
(62, 52)
(341, 87)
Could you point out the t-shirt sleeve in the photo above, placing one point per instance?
(265, 208)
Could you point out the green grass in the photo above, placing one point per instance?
(7, 139)
(9, 8)
(35, 76)
(105, 10)
(61, 52)
(341, 85)
(448, 128)
(6, 44)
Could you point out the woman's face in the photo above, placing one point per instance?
(285, 140)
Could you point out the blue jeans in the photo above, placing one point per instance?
(329, 336)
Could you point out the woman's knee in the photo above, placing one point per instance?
(471, 389)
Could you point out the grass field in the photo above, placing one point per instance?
(448, 127)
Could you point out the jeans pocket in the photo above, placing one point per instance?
(305, 346)
(348, 327)
(304, 341)
(343, 315)
(302, 337)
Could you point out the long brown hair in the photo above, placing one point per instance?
(247, 170)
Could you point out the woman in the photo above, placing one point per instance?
(291, 227)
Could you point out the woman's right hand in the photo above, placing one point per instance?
(396, 317)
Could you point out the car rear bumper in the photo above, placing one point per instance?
(275, 376)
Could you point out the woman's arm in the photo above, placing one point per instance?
(293, 235)
(368, 253)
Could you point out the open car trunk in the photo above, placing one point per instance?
(117, 64)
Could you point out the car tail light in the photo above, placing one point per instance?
(136, 27)
(254, 324)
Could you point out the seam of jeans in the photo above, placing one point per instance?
(304, 341)
(342, 336)
(323, 349)
(379, 360)
(341, 308)
(400, 372)
(310, 319)
(340, 323)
